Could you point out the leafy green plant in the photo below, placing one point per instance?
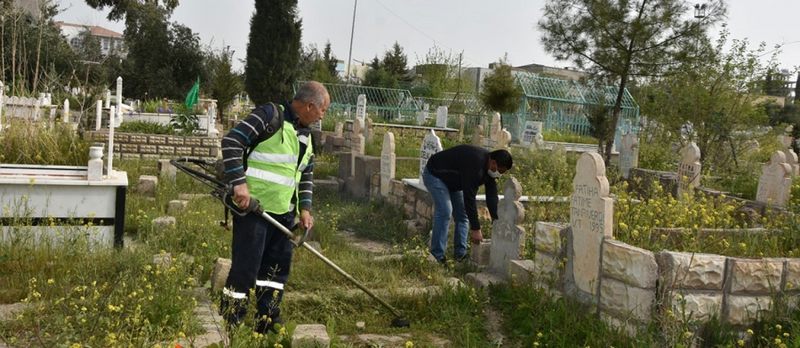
(185, 121)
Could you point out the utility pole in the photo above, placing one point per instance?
(350, 53)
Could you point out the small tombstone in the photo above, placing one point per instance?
(477, 136)
(441, 116)
(339, 130)
(785, 141)
(65, 113)
(176, 206)
(629, 156)
(422, 115)
(791, 159)
(166, 170)
(108, 98)
(775, 183)
(461, 123)
(431, 144)
(591, 216)
(538, 142)
(361, 107)
(532, 128)
(98, 115)
(507, 234)
(368, 130)
(147, 185)
(163, 222)
(94, 171)
(219, 274)
(503, 139)
(388, 161)
(495, 130)
(357, 137)
(689, 169)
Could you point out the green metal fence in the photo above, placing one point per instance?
(383, 104)
(563, 105)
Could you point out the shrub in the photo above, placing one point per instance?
(146, 127)
(28, 142)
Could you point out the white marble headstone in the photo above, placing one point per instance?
(388, 160)
(791, 159)
(477, 136)
(361, 107)
(441, 116)
(431, 144)
(629, 154)
(508, 237)
(689, 169)
(339, 129)
(503, 139)
(775, 183)
(591, 216)
(422, 115)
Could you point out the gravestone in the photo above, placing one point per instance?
(591, 217)
(368, 130)
(689, 169)
(441, 117)
(361, 107)
(65, 112)
(461, 121)
(495, 128)
(532, 128)
(422, 115)
(477, 136)
(388, 160)
(775, 183)
(356, 144)
(791, 159)
(430, 145)
(98, 115)
(339, 129)
(503, 139)
(629, 154)
(508, 237)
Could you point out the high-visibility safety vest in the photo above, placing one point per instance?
(273, 172)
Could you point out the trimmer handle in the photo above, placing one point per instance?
(226, 196)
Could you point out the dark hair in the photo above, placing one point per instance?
(502, 157)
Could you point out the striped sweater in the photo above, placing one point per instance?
(240, 137)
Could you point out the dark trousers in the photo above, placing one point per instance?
(261, 259)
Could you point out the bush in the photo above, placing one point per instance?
(146, 127)
(27, 142)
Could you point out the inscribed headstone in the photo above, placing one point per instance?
(629, 154)
(507, 234)
(775, 183)
(339, 130)
(361, 107)
(532, 128)
(430, 145)
(388, 160)
(368, 130)
(689, 169)
(591, 217)
(441, 116)
(477, 136)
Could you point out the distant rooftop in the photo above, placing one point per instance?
(94, 30)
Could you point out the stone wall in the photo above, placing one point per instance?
(637, 284)
(157, 146)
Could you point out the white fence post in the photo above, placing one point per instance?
(99, 114)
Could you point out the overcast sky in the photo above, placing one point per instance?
(483, 30)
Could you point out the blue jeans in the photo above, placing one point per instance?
(446, 204)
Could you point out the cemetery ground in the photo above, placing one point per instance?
(147, 294)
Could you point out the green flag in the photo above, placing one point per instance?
(191, 97)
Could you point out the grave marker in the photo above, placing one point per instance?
(422, 115)
(791, 159)
(629, 154)
(431, 144)
(361, 107)
(388, 161)
(775, 183)
(441, 116)
(532, 128)
(689, 169)
(507, 234)
(591, 216)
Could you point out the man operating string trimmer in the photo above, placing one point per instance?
(269, 157)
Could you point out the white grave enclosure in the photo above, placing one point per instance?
(61, 203)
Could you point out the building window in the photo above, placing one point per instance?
(75, 42)
(105, 44)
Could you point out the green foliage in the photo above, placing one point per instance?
(26, 142)
(621, 40)
(273, 51)
(437, 74)
(146, 127)
(164, 59)
(184, 121)
(568, 137)
(226, 84)
(389, 72)
(500, 90)
(318, 66)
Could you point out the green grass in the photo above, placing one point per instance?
(27, 142)
(567, 137)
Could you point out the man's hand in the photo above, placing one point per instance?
(241, 196)
(475, 236)
(306, 220)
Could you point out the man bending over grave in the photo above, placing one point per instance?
(452, 177)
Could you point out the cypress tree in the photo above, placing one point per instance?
(273, 51)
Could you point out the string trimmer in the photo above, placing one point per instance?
(224, 193)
